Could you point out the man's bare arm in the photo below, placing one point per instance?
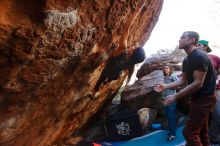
(177, 83)
(198, 77)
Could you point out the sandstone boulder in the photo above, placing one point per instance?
(52, 53)
(156, 62)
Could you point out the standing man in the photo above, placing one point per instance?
(214, 127)
(199, 74)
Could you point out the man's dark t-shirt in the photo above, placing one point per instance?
(200, 61)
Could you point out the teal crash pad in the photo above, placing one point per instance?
(156, 138)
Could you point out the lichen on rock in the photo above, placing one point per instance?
(61, 20)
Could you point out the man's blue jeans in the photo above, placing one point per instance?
(170, 111)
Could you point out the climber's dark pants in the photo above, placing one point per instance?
(196, 128)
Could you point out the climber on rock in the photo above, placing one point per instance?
(123, 45)
(123, 57)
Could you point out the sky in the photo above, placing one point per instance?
(177, 16)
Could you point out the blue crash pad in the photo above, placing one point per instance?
(156, 138)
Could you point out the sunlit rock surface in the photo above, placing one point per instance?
(142, 90)
(51, 56)
(173, 58)
(141, 93)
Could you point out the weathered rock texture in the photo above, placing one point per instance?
(141, 93)
(150, 73)
(174, 59)
(52, 53)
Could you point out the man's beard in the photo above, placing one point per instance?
(184, 46)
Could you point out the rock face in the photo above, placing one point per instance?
(141, 93)
(143, 85)
(146, 117)
(51, 56)
(150, 73)
(156, 62)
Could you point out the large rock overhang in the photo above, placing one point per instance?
(52, 54)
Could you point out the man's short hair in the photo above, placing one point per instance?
(193, 34)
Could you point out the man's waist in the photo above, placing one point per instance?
(203, 98)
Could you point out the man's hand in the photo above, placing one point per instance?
(169, 99)
(159, 87)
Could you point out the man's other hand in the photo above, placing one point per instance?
(169, 99)
(159, 88)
